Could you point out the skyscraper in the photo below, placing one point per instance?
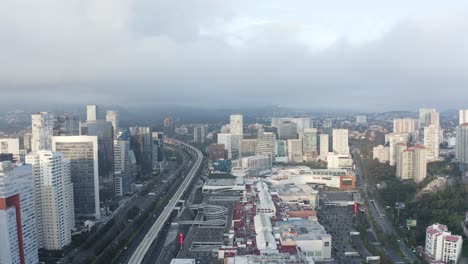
(124, 169)
(53, 196)
(91, 112)
(103, 130)
(340, 141)
(237, 133)
(324, 146)
(266, 144)
(424, 113)
(462, 146)
(301, 122)
(199, 133)
(169, 126)
(287, 130)
(295, 150)
(18, 241)
(10, 145)
(43, 125)
(463, 116)
(404, 125)
(82, 151)
(158, 151)
(113, 118)
(309, 143)
(226, 140)
(248, 147)
(142, 144)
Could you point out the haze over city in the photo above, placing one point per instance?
(361, 55)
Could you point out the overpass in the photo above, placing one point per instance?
(145, 244)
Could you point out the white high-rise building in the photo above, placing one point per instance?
(18, 242)
(432, 142)
(463, 116)
(295, 150)
(43, 125)
(10, 145)
(237, 133)
(236, 125)
(324, 146)
(340, 141)
(411, 163)
(225, 138)
(441, 245)
(393, 139)
(53, 197)
(91, 112)
(404, 125)
(82, 151)
(381, 153)
(113, 117)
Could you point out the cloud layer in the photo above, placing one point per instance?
(209, 52)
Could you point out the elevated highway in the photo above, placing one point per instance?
(142, 249)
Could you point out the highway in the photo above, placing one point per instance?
(142, 249)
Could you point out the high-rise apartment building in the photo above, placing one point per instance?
(441, 245)
(266, 144)
(226, 139)
(53, 196)
(199, 133)
(404, 125)
(18, 241)
(463, 116)
(91, 112)
(340, 141)
(12, 146)
(381, 153)
(82, 151)
(432, 142)
(324, 146)
(393, 139)
(113, 117)
(411, 163)
(103, 130)
(43, 125)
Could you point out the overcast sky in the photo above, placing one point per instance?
(363, 55)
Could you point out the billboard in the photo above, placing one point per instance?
(411, 222)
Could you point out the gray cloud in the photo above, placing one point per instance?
(150, 52)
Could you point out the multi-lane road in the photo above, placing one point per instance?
(380, 217)
(161, 221)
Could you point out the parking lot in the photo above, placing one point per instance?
(339, 222)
